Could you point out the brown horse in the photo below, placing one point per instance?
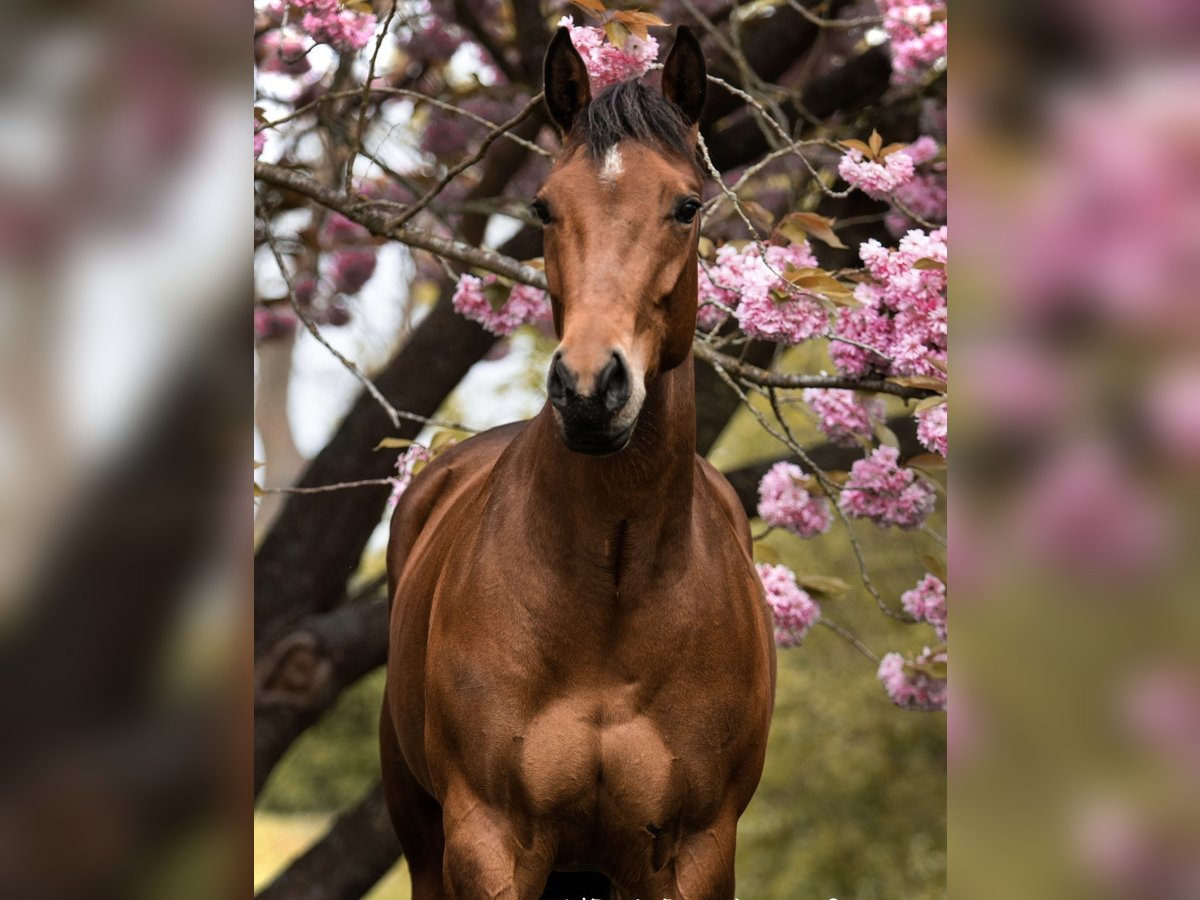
(581, 671)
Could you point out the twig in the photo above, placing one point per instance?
(860, 22)
(788, 381)
(465, 164)
(303, 316)
(357, 146)
(326, 488)
(844, 633)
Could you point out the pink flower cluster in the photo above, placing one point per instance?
(743, 280)
(903, 312)
(349, 270)
(843, 415)
(405, 463)
(927, 603)
(925, 193)
(931, 428)
(328, 22)
(877, 179)
(524, 304)
(918, 41)
(795, 611)
(881, 490)
(912, 689)
(784, 502)
(606, 63)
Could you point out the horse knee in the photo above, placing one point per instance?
(704, 868)
(483, 860)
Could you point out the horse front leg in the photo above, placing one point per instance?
(484, 860)
(701, 870)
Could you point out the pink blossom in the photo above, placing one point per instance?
(918, 41)
(406, 462)
(909, 684)
(931, 428)
(606, 63)
(270, 324)
(283, 54)
(478, 299)
(925, 195)
(751, 284)
(794, 610)
(843, 415)
(351, 269)
(881, 490)
(328, 22)
(923, 150)
(784, 502)
(902, 313)
(876, 179)
(927, 603)
(337, 229)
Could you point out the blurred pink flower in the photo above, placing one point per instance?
(1085, 512)
(607, 64)
(283, 54)
(927, 603)
(784, 502)
(1172, 411)
(908, 686)
(931, 428)
(794, 610)
(351, 269)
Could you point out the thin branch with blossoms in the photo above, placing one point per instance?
(357, 146)
(768, 379)
(304, 317)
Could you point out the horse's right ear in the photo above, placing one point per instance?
(568, 90)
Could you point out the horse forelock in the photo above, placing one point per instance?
(629, 110)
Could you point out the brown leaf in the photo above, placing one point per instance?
(890, 149)
(875, 143)
(593, 6)
(857, 145)
(929, 382)
(930, 461)
(828, 585)
(925, 264)
(394, 444)
(796, 226)
(929, 403)
(706, 248)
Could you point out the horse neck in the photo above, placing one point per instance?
(649, 482)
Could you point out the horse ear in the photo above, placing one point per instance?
(685, 79)
(568, 90)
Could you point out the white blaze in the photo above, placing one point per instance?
(611, 167)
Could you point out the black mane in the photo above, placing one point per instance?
(629, 109)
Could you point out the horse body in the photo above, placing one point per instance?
(581, 665)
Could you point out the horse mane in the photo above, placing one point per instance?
(631, 110)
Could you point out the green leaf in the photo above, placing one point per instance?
(929, 403)
(496, 295)
(886, 436)
(928, 461)
(617, 33)
(934, 566)
(828, 585)
(394, 444)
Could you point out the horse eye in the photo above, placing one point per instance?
(541, 210)
(686, 211)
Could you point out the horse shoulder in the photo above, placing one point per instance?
(722, 493)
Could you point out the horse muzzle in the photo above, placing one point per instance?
(598, 419)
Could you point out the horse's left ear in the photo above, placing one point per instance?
(685, 78)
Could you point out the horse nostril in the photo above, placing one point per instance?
(560, 381)
(613, 384)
